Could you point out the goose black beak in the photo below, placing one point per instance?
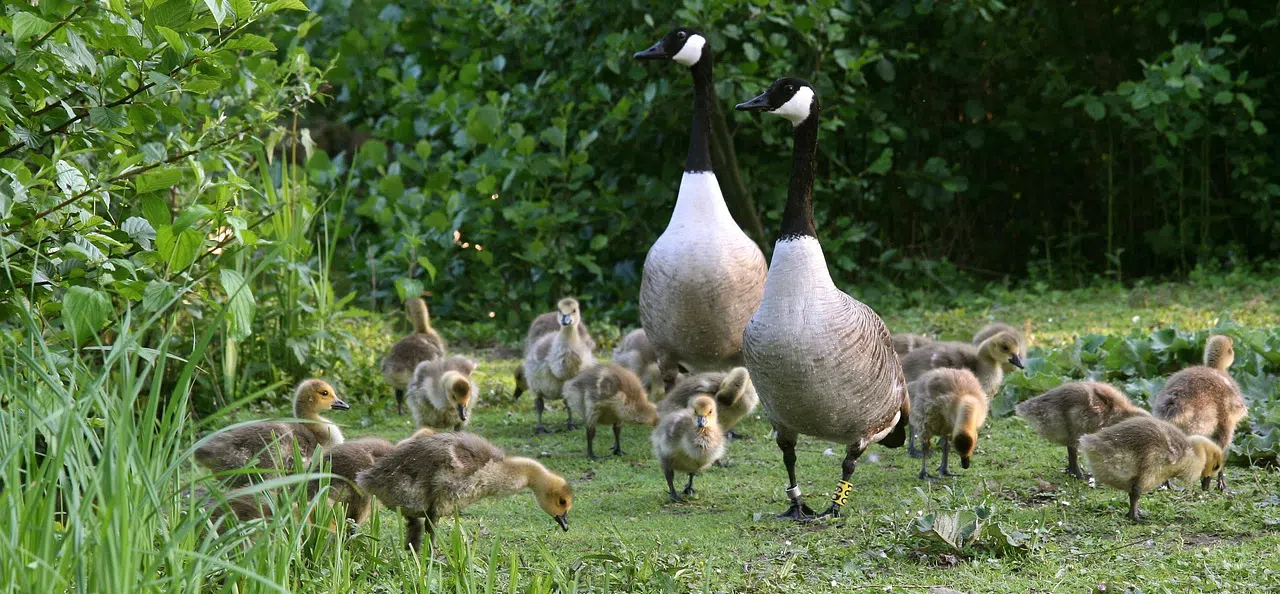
(1017, 361)
(338, 404)
(566, 320)
(1204, 483)
(563, 521)
(701, 421)
(964, 462)
(462, 412)
(655, 52)
(758, 103)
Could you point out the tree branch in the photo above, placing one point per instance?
(39, 40)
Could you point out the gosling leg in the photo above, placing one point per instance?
(688, 489)
(617, 439)
(946, 451)
(670, 475)
(399, 401)
(538, 406)
(591, 437)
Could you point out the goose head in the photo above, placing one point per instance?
(1213, 458)
(1001, 348)
(315, 395)
(569, 315)
(1219, 352)
(555, 497)
(704, 411)
(790, 97)
(682, 45)
(458, 389)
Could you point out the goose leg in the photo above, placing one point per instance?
(841, 495)
(912, 450)
(926, 446)
(538, 406)
(617, 439)
(798, 510)
(946, 451)
(1073, 462)
(688, 489)
(399, 401)
(569, 425)
(1134, 493)
(591, 437)
(734, 435)
(413, 534)
(670, 475)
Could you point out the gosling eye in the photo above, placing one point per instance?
(562, 502)
(324, 392)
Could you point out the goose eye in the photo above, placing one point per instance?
(324, 392)
(681, 35)
(790, 88)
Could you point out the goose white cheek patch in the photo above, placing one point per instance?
(797, 108)
(692, 51)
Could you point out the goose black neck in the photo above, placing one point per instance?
(703, 94)
(797, 217)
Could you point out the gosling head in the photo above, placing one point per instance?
(964, 444)
(1001, 348)
(316, 395)
(704, 411)
(790, 97)
(458, 390)
(1213, 459)
(682, 45)
(569, 313)
(1219, 352)
(555, 497)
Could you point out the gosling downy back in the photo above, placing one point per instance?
(905, 343)
(949, 403)
(1138, 454)
(605, 394)
(1066, 412)
(733, 392)
(441, 394)
(1204, 399)
(703, 277)
(347, 460)
(636, 354)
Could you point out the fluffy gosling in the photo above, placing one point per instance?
(734, 393)
(905, 343)
(609, 395)
(949, 403)
(1001, 328)
(688, 440)
(547, 323)
(1205, 400)
(424, 344)
(1071, 410)
(557, 358)
(636, 354)
(441, 394)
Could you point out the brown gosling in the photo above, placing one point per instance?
(688, 440)
(347, 460)
(998, 328)
(905, 343)
(557, 358)
(636, 354)
(610, 395)
(427, 477)
(271, 443)
(405, 355)
(949, 403)
(986, 361)
(1204, 399)
(1071, 410)
(734, 393)
(1138, 454)
(547, 323)
(441, 394)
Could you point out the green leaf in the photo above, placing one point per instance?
(174, 38)
(885, 69)
(423, 149)
(240, 303)
(287, 5)
(157, 179)
(1246, 102)
(84, 312)
(883, 163)
(178, 250)
(1095, 109)
(525, 145)
(1222, 97)
(156, 211)
(107, 117)
(140, 231)
(70, 179)
(250, 42)
(486, 185)
(426, 265)
(217, 9)
(1258, 127)
(751, 52)
(483, 124)
(408, 288)
(173, 14)
(27, 25)
(158, 294)
(243, 9)
(599, 242)
(1212, 20)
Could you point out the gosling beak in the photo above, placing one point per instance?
(563, 521)
(964, 462)
(759, 103)
(701, 421)
(565, 320)
(1017, 361)
(462, 412)
(1204, 483)
(655, 52)
(338, 404)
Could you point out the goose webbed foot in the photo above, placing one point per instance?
(570, 426)
(618, 452)
(925, 476)
(542, 430)
(945, 472)
(731, 434)
(1076, 473)
(721, 463)
(798, 511)
(676, 498)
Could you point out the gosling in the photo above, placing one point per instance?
(1138, 454)
(1001, 328)
(986, 361)
(636, 354)
(949, 403)
(426, 477)
(688, 440)
(734, 393)
(347, 460)
(1205, 400)
(441, 394)
(547, 323)
(1071, 410)
(905, 343)
(405, 355)
(271, 443)
(610, 395)
(557, 358)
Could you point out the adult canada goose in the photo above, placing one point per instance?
(1142, 452)
(424, 344)
(426, 477)
(822, 362)
(272, 443)
(703, 277)
(555, 359)
(1064, 414)
(1204, 399)
(441, 394)
(547, 323)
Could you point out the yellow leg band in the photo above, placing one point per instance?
(841, 496)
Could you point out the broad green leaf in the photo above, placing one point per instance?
(885, 69)
(158, 294)
(70, 179)
(157, 179)
(426, 265)
(1258, 127)
(178, 250)
(1095, 109)
(217, 9)
(525, 145)
(408, 288)
(27, 25)
(107, 117)
(240, 304)
(156, 210)
(250, 42)
(173, 14)
(243, 9)
(140, 231)
(287, 5)
(483, 124)
(174, 38)
(85, 311)
(883, 163)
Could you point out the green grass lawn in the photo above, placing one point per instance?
(626, 535)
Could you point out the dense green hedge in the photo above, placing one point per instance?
(976, 140)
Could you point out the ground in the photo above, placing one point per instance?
(626, 535)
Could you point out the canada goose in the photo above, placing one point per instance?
(272, 443)
(423, 345)
(1204, 399)
(347, 460)
(688, 440)
(1071, 410)
(609, 395)
(905, 343)
(555, 359)
(733, 392)
(822, 362)
(426, 477)
(949, 403)
(1138, 454)
(703, 277)
(636, 354)
(547, 323)
(441, 394)
(998, 328)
